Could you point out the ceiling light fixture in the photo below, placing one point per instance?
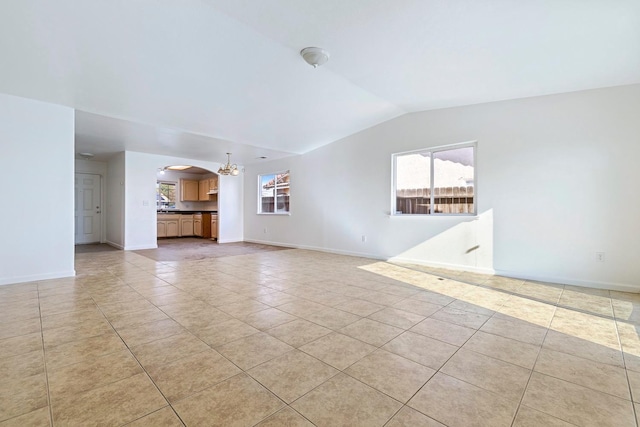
(314, 56)
(86, 156)
(178, 167)
(161, 170)
(228, 169)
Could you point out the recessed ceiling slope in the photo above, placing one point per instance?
(231, 70)
(426, 54)
(104, 136)
(178, 65)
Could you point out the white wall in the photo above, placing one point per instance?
(140, 208)
(37, 212)
(231, 208)
(115, 201)
(556, 183)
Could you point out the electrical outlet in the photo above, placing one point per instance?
(364, 238)
(265, 230)
(600, 256)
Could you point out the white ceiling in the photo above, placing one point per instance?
(198, 78)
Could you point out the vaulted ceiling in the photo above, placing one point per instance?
(197, 78)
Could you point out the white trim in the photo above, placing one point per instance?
(103, 204)
(140, 247)
(37, 277)
(115, 245)
(445, 147)
(456, 267)
(275, 194)
(232, 240)
(624, 287)
(460, 267)
(469, 215)
(317, 248)
(432, 151)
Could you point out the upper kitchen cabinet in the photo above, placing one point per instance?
(189, 190)
(207, 188)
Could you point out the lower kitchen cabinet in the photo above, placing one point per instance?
(172, 228)
(214, 227)
(186, 225)
(183, 225)
(162, 228)
(168, 225)
(197, 225)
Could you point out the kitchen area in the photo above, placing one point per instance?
(187, 202)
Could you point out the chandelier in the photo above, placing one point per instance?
(228, 169)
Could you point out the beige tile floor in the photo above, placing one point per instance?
(300, 338)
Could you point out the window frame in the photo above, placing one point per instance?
(259, 194)
(175, 184)
(432, 151)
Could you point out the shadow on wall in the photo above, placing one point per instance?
(468, 244)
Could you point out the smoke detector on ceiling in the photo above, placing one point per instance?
(314, 56)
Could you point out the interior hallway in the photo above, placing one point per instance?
(293, 337)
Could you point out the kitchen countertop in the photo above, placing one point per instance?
(185, 212)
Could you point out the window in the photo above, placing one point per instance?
(165, 195)
(435, 181)
(273, 193)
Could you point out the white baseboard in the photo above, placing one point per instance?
(36, 277)
(140, 247)
(232, 240)
(460, 267)
(115, 245)
(317, 248)
(568, 281)
(434, 264)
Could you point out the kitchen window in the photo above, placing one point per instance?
(273, 193)
(435, 181)
(165, 195)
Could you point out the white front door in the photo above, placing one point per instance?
(88, 219)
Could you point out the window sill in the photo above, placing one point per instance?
(469, 215)
(274, 213)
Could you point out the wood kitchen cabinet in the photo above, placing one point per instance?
(202, 225)
(205, 186)
(162, 229)
(197, 225)
(168, 225)
(214, 227)
(186, 225)
(189, 190)
(183, 225)
(172, 228)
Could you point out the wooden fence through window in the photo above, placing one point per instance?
(457, 200)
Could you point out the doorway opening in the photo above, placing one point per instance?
(187, 203)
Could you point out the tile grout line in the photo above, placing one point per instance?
(143, 370)
(557, 305)
(626, 370)
(528, 297)
(44, 360)
(524, 392)
(438, 370)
